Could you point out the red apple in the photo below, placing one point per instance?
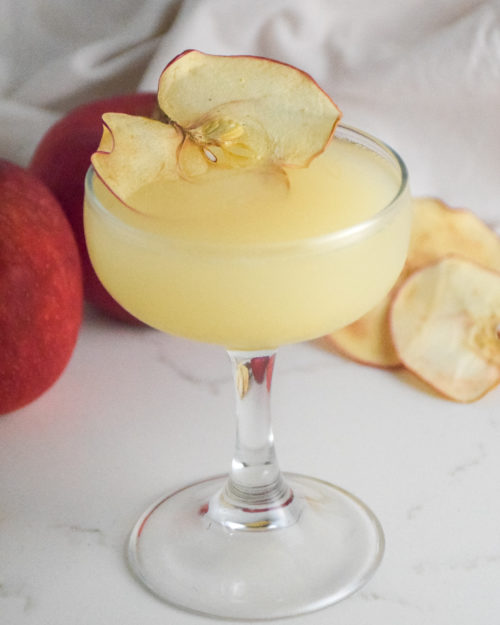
(40, 288)
(61, 160)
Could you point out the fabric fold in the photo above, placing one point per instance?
(424, 76)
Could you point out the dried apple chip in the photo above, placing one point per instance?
(249, 108)
(367, 340)
(445, 325)
(218, 111)
(134, 151)
(438, 231)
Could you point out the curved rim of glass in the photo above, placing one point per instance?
(335, 238)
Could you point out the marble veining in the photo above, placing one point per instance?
(214, 385)
(386, 598)
(87, 534)
(18, 593)
(473, 462)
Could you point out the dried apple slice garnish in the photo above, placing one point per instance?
(218, 111)
(256, 108)
(135, 151)
(445, 324)
(437, 231)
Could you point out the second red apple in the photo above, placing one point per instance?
(61, 160)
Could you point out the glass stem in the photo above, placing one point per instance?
(255, 496)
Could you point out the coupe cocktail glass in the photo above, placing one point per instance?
(257, 543)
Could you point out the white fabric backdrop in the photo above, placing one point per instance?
(422, 74)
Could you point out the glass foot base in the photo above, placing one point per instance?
(195, 563)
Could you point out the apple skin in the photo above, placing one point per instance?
(41, 295)
(61, 160)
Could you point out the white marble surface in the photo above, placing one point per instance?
(138, 413)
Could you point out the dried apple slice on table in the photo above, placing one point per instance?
(368, 339)
(219, 111)
(438, 230)
(445, 325)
